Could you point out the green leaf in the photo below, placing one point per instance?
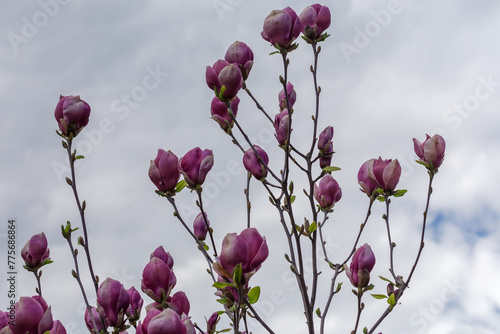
(376, 296)
(206, 246)
(339, 286)
(386, 279)
(238, 274)
(292, 199)
(381, 199)
(79, 157)
(318, 312)
(180, 186)
(392, 300)
(313, 227)
(254, 294)
(222, 285)
(400, 193)
(331, 169)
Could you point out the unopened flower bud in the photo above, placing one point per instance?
(167, 322)
(195, 165)
(220, 113)
(200, 228)
(254, 165)
(362, 264)
(315, 20)
(281, 27)
(327, 192)
(240, 54)
(72, 114)
(112, 302)
(164, 171)
(160, 253)
(135, 306)
(212, 74)
(35, 252)
(292, 96)
(325, 139)
(368, 186)
(179, 303)
(281, 124)
(157, 280)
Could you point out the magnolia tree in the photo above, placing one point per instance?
(111, 308)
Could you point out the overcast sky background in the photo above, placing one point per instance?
(391, 71)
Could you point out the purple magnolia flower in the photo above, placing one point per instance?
(281, 123)
(112, 302)
(160, 253)
(97, 319)
(385, 173)
(212, 322)
(220, 113)
(327, 192)
(368, 186)
(35, 252)
(292, 96)
(195, 165)
(361, 265)
(157, 280)
(325, 158)
(72, 114)
(32, 316)
(135, 306)
(240, 54)
(167, 322)
(164, 171)
(248, 248)
(200, 228)
(281, 27)
(252, 163)
(179, 303)
(315, 19)
(431, 151)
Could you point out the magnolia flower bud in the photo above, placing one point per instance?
(57, 328)
(157, 280)
(135, 306)
(385, 173)
(230, 77)
(315, 19)
(195, 165)
(431, 151)
(112, 302)
(212, 74)
(368, 186)
(35, 252)
(200, 228)
(220, 113)
(361, 265)
(281, 27)
(253, 164)
(72, 114)
(292, 96)
(248, 248)
(325, 139)
(164, 171)
(281, 124)
(327, 192)
(240, 54)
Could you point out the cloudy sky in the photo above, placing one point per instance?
(391, 71)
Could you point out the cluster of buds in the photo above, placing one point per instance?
(168, 314)
(166, 168)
